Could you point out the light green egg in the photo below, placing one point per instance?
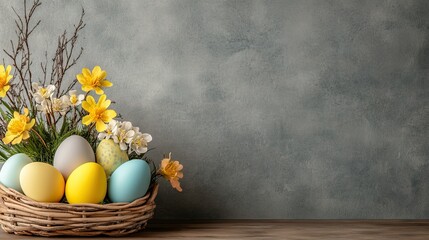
(110, 156)
(9, 174)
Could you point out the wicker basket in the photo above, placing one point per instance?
(21, 215)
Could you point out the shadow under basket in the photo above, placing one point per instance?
(24, 216)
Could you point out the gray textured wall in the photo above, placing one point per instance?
(277, 109)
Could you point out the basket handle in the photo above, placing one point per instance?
(154, 193)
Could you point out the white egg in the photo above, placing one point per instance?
(72, 152)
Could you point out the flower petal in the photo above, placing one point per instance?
(164, 162)
(106, 83)
(17, 140)
(96, 70)
(127, 125)
(129, 134)
(8, 69)
(29, 125)
(25, 135)
(8, 138)
(108, 115)
(175, 184)
(81, 79)
(50, 88)
(86, 120)
(98, 91)
(91, 101)
(87, 107)
(102, 75)
(100, 126)
(147, 137)
(101, 100)
(102, 135)
(86, 72)
(87, 88)
(105, 104)
(142, 150)
(123, 146)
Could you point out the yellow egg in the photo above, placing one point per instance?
(42, 182)
(86, 184)
(110, 156)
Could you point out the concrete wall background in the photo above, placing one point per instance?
(277, 109)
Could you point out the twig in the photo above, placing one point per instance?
(40, 137)
(65, 58)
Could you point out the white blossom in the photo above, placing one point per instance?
(61, 104)
(139, 143)
(75, 99)
(41, 93)
(44, 106)
(111, 129)
(123, 135)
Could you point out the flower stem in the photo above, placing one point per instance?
(40, 137)
(90, 128)
(74, 116)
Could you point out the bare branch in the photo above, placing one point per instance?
(35, 26)
(44, 68)
(19, 17)
(65, 57)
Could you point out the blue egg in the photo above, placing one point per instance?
(129, 181)
(9, 174)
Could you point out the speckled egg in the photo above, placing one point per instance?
(9, 174)
(110, 156)
(72, 152)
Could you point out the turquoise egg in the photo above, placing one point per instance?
(129, 181)
(9, 174)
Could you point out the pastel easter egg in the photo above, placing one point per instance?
(86, 184)
(42, 182)
(110, 156)
(72, 152)
(129, 181)
(9, 174)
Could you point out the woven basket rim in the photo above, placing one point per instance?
(150, 196)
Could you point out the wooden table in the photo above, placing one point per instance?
(299, 230)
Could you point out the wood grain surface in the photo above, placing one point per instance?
(299, 230)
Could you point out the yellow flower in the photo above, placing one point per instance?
(18, 128)
(171, 170)
(98, 112)
(4, 79)
(94, 80)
